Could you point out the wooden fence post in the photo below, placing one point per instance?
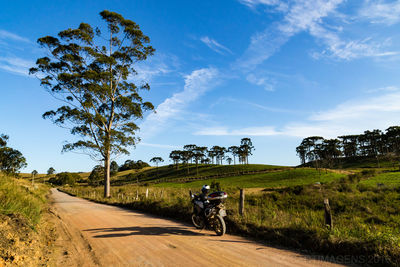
(241, 202)
(328, 214)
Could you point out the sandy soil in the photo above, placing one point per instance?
(110, 236)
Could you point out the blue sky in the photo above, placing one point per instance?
(274, 71)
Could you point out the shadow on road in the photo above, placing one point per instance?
(137, 230)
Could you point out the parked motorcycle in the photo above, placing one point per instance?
(210, 214)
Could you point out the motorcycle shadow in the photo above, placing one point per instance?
(138, 230)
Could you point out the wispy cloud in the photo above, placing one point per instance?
(158, 146)
(158, 65)
(16, 65)
(347, 50)
(196, 84)
(250, 131)
(350, 117)
(386, 12)
(5, 35)
(299, 16)
(215, 46)
(308, 16)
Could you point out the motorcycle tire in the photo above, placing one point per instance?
(197, 221)
(219, 225)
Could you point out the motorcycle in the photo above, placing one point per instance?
(210, 215)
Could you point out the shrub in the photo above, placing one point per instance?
(64, 178)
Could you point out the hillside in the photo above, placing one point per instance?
(359, 162)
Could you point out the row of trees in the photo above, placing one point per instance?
(215, 155)
(370, 143)
(11, 160)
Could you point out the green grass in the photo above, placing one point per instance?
(170, 172)
(17, 196)
(390, 179)
(283, 178)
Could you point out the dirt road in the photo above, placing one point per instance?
(110, 236)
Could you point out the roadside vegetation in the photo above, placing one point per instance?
(284, 207)
(25, 235)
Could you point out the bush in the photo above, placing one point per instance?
(64, 178)
(96, 176)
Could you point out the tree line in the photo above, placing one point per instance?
(371, 143)
(215, 155)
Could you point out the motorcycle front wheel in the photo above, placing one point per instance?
(197, 221)
(219, 225)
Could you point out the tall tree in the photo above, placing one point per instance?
(157, 160)
(234, 150)
(199, 152)
(88, 70)
(175, 155)
(246, 146)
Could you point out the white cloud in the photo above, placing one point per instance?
(155, 66)
(250, 131)
(381, 12)
(215, 46)
(196, 84)
(5, 35)
(347, 50)
(350, 117)
(267, 83)
(158, 146)
(16, 65)
(299, 16)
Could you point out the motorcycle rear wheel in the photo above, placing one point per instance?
(197, 221)
(219, 225)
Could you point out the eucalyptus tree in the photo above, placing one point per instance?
(229, 160)
(89, 70)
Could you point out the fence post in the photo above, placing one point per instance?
(241, 202)
(328, 214)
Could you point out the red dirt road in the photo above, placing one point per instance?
(119, 237)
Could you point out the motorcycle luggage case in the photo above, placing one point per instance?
(217, 196)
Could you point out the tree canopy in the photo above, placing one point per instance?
(11, 160)
(90, 70)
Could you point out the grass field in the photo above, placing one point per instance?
(282, 178)
(388, 179)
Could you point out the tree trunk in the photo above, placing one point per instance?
(107, 175)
